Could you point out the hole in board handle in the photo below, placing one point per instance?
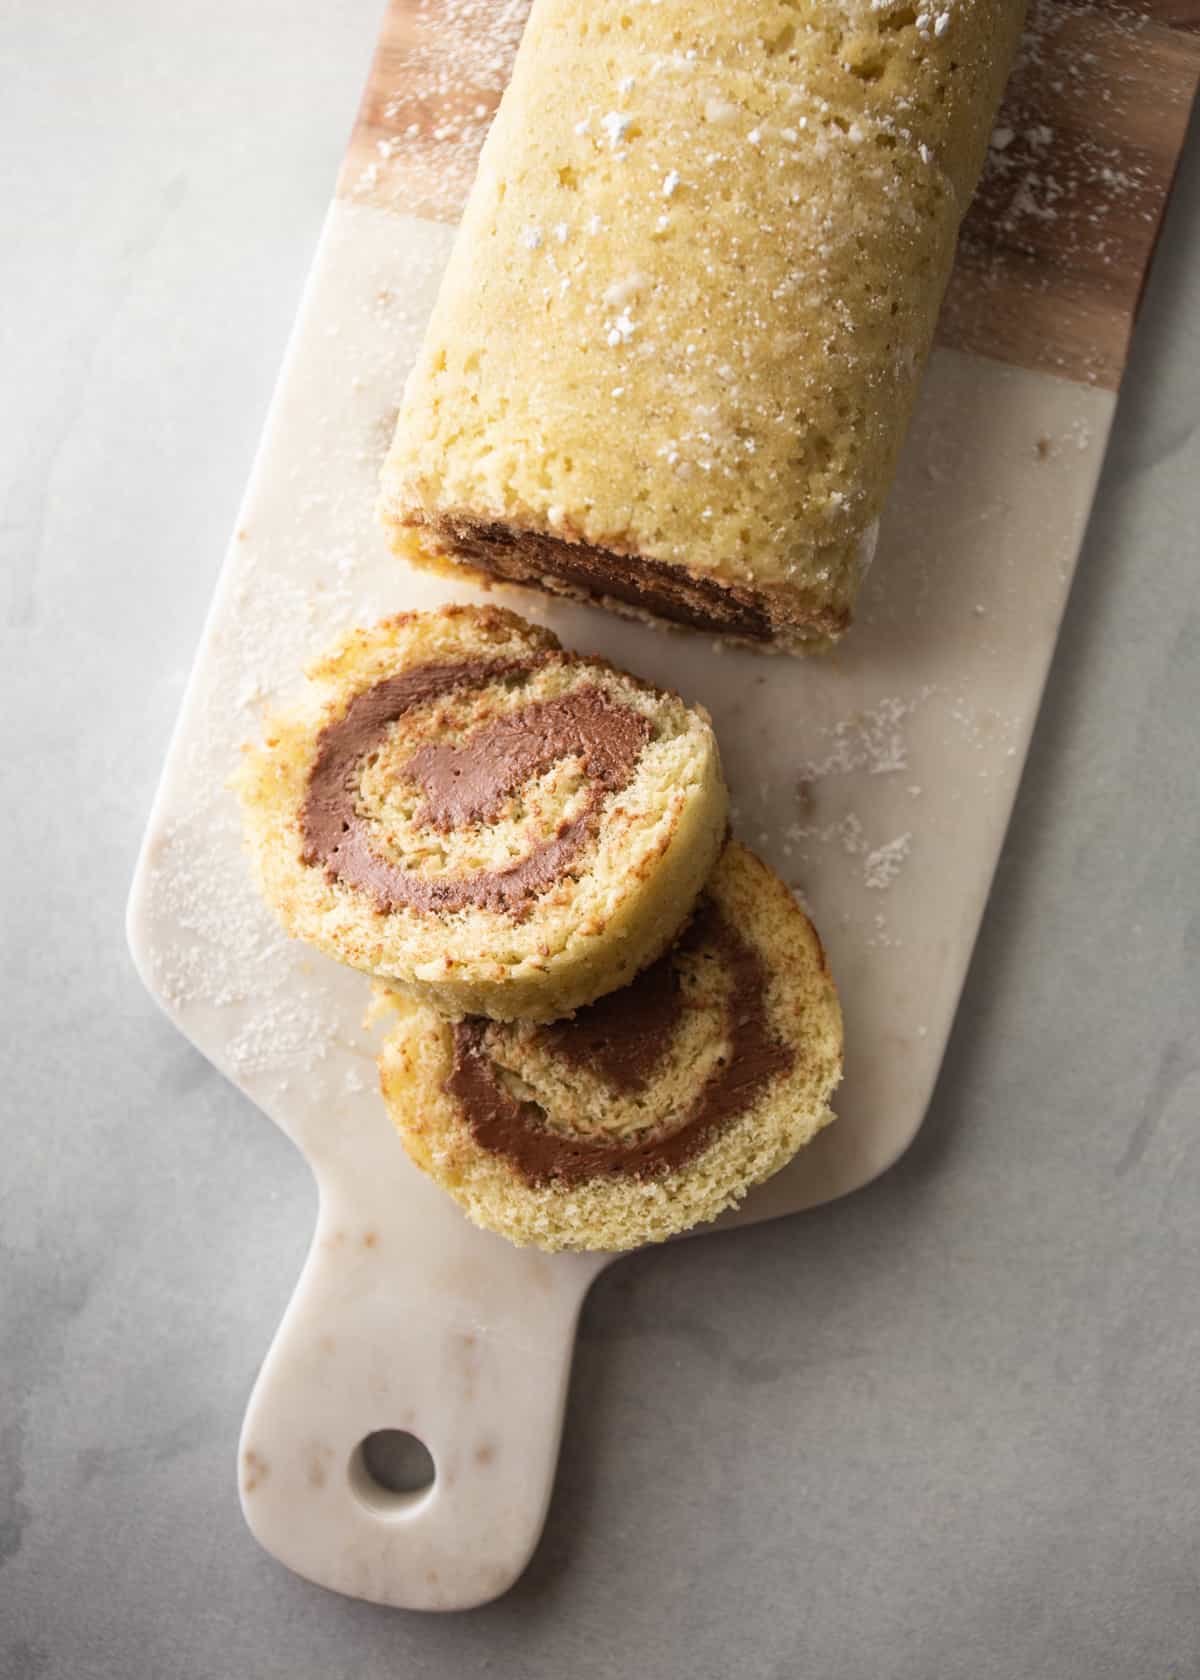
(392, 1471)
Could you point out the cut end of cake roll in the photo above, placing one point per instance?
(680, 333)
(785, 618)
(652, 1111)
(499, 827)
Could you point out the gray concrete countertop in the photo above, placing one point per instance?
(945, 1428)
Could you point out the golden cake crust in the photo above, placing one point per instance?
(684, 321)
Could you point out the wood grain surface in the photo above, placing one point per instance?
(1055, 249)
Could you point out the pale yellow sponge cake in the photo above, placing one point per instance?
(489, 822)
(679, 338)
(653, 1110)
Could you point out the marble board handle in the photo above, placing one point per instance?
(468, 1349)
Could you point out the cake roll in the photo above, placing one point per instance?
(496, 825)
(654, 1109)
(680, 334)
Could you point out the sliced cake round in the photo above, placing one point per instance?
(656, 1108)
(491, 823)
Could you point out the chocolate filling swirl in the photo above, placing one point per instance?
(547, 562)
(466, 782)
(629, 1031)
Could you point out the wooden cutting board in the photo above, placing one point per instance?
(878, 780)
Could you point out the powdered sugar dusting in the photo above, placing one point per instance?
(306, 562)
(872, 741)
(448, 63)
(878, 864)
(881, 866)
(1056, 241)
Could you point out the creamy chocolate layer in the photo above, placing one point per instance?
(622, 1036)
(666, 591)
(469, 783)
(464, 783)
(516, 1130)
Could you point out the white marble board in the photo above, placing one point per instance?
(878, 781)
